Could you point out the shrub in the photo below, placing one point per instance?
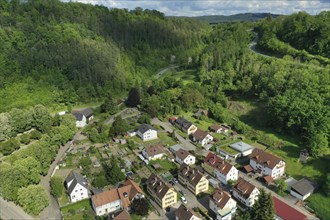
(35, 135)
(25, 139)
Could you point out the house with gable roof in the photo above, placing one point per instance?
(117, 199)
(195, 181)
(162, 193)
(220, 168)
(222, 204)
(185, 213)
(146, 132)
(185, 125)
(76, 186)
(267, 164)
(202, 137)
(245, 192)
(183, 156)
(154, 152)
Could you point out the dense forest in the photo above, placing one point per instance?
(300, 35)
(60, 53)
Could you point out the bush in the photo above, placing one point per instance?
(25, 139)
(56, 186)
(35, 135)
(9, 146)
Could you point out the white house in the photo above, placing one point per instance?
(185, 213)
(146, 132)
(222, 204)
(242, 147)
(219, 128)
(153, 152)
(81, 120)
(116, 199)
(183, 156)
(267, 164)
(302, 189)
(220, 168)
(245, 192)
(185, 125)
(76, 186)
(202, 137)
(88, 113)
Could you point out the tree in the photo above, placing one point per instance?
(144, 119)
(56, 186)
(114, 174)
(93, 135)
(140, 206)
(282, 186)
(263, 208)
(33, 199)
(119, 127)
(5, 126)
(109, 105)
(42, 118)
(29, 168)
(35, 135)
(318, 143)
(133, 98)
(25, 139)
(327, 185)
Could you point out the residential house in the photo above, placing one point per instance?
(161, 192)
(76, 186)
(284, 211)
(88, 113)
(117, 199)
(153, 152)
(219, 128)
(302, 189)
(202, 137)
(242, 147)
(245, 192)
(146, 132)
(185, 125)
(267, 164)
(183, 156)
(201, 112)
(185, 213)
(81, 120)
(222, 204)
(220, 168)
(195, 181)
(175, 148)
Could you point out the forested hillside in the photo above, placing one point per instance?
(59, 53)
(301, 35)
(245, 17)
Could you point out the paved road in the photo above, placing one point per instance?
(53, 210)
(112, 118)
(253, 45)
(8, 210)
(186, 144)
(290, 203)
(161, 72)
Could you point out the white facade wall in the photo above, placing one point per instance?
(78, 193)
(155, 157)
(148, 135)
(232, 175)
(231, 204)
(249, 202)
(298, 196)
(108, 208)
(82, 123)
(189, 160)
(275, 173)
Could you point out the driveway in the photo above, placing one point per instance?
(288, 202)
(161, 72)
(186, 144)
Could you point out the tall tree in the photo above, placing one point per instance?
(133, 98)
(33, 199)
(42, 118)
(119, 127)
(263, 208)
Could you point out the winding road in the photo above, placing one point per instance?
(253, 46)
(161, 72)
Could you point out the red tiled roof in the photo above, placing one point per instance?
(248, 168)
(286, 212)
(218, 163)
(264, 158)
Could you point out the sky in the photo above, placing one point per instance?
(217, 7)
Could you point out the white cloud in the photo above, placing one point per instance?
(217, 7)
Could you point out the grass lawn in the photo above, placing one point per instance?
(320, 204)
(186, 76)
(165, 164)
(78, 210)
(228, 149)
(63, 200)
(163, 138)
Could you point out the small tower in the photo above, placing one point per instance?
(304, 155)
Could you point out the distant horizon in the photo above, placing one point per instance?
(197, 8)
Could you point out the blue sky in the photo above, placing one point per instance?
(217, 7)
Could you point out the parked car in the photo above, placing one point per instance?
(171, 182)
(183, 200)
(183, 193)
(175, 180)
